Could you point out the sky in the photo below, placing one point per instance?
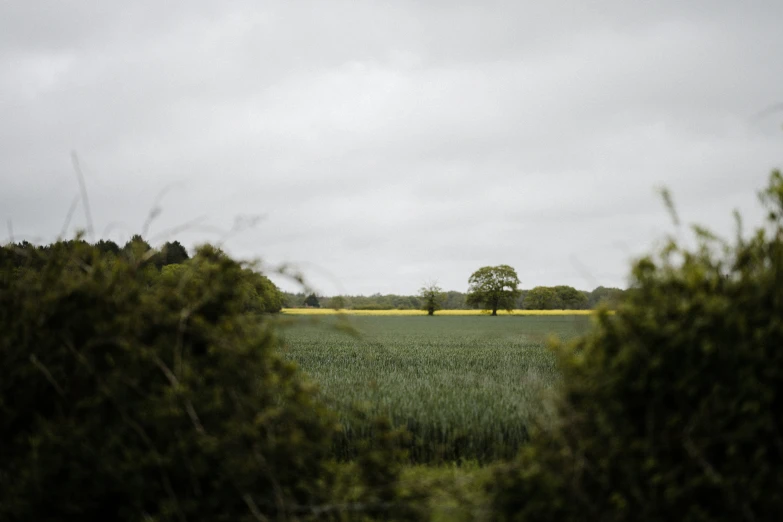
(378, 146)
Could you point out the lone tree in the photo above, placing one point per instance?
(432, 297)
(494, 287)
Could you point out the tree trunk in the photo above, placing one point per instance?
(494, 311)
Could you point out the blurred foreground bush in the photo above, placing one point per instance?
(132, 394)
(672, 409)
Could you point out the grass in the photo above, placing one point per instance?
(331, 311)
(447, 492)
(454, 493)
(467, 387)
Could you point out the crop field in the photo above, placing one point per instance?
(466, 387)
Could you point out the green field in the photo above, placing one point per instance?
(466, 387)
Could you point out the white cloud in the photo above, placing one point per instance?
(388, 144)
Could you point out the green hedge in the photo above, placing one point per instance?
(127, 394)
(672, 409)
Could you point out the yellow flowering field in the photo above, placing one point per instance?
(330, 311)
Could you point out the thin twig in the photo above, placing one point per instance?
(279, 498)
(179, 228)
(83, 189)
(38, 364)
(175, 382)
(68, 217)
(253, 507)
(183, 321)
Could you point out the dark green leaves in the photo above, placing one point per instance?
(494, 287)
(671, 407)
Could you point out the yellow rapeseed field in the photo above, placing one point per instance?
(330, 311)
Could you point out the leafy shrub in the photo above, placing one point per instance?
(671, 409)
(126, 394)
(373, 490)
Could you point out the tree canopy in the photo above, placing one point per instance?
(173, 253)
(312, 301)
(560, 297)
(602, 295)
(494, 287)
(432, 298)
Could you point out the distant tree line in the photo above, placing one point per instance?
(539, 298)
(25, 259)
(27, 255)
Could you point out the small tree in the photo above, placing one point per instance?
(312, 301)
(432, 297)
(494, 287)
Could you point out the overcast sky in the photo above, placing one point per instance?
(385, 144)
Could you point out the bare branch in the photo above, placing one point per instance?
(68, 217)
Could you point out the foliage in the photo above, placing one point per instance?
(494, 287)
(465, 387)
(383, 302)
(569, 298)
(379, 462)
(261, 295)
(107, 247)
(293, 300)
(453, 300)
(671, 409)
(137, 250)
(432, 298)
(173, 253)
(455, 491)
(129, 397)
(312, 300)
(555, 298)
(337, 302)
(603, 296)
(541, 298)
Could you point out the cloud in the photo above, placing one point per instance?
(388, 144)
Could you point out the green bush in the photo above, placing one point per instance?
(373, 490)
(127, 394)
(672, 409)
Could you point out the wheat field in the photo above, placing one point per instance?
(465, 386)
